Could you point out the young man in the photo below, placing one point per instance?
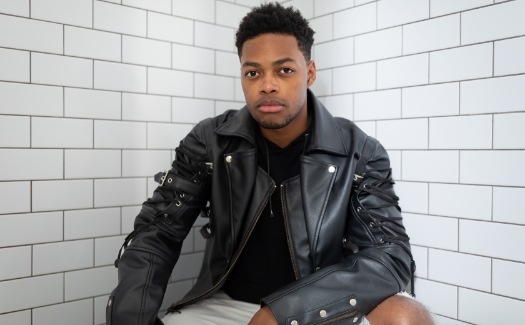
(290, 187)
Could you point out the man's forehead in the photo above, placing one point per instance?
(271, 48)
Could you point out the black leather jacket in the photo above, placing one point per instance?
(217, 162)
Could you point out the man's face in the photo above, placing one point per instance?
(274, 78)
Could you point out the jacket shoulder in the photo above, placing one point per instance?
(350, 132)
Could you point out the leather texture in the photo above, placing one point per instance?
(320, 206)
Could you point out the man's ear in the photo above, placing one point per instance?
(311, 73)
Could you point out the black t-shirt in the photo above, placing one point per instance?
(265, 263)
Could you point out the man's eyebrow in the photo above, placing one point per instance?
(258, 65)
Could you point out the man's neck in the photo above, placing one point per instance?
(284, 136)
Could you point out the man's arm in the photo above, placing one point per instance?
(160, 228)
(381, 268)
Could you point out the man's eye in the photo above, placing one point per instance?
(286, 70)
(251, 74)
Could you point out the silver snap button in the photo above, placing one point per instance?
(353, 302)
(331, 169)
(322, 313)
(165, 215)
(294, 322)
(177, 203)
(229, 159)
(356, 319)
(208, 230)
(169, 180)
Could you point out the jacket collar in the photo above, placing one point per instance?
(325, 136)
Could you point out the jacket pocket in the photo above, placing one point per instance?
(109, 310)
(331, 313)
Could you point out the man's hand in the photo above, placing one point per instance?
(263, 317)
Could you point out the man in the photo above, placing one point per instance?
(279, 176)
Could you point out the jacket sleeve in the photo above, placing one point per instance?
(349, 290)
(159, 230)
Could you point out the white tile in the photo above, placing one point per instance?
(334, 54)
(509, 56)
(141, 107)
(92, 163)
(227, 64)
(443, 7)
(79, 12)
(323, 28)
(169, 28)
(399, 12)
(506, 20)
(213, 36)
(469, 271)
(403, 134)
(175, 292)
(187, 267)
(322, 85)
(433, 100)
(413, 196)
(117, 76)
(61, 70)
(438, 297)
(88, 103)
(477, 167)
(15, 197)
(355, 78)
(239, 94)
(503, 241)
(433, 34)
(18, 263)
(27, 293)
(508, 204)
(100, 309)
(76, 312)
(508, 131)
(128, 217)
(155, 5)
(339, 106)
(213, 87)
(106, 250)
(32, 225)
(64, 256)
(377, 105)
(382, 44)
(469, 62)
(221, 107)
(493, 95)
(91, 223)
(170, 82)
(144, 162)
(22, 99)
(229, 14)
(195, 9)
(19, 318)
(119, 19)
(360, 2)
(51, 132)
(329, 6)
(395, 163)
(166, 136)
(148, 52)
(115, 192)
(368, 127)
(192, 58)
(33, 35)
(190, 110)
(250, 3)
(14, 131)
(461, 132)
(420, 255)
(442, 320)
(14, 65)
(405, 71)
(121, 135)
(462, 201)
(431, 166)
(15, 7)
(432, 231)
(507, 279)
(62, 195)
(355, 21)
(89, 283)
(19, 164)
(478, 308)
(306, 7)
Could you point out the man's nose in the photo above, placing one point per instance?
(269, 85)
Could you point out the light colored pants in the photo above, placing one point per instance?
(219, 309)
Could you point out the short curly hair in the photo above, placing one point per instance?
(273, 18)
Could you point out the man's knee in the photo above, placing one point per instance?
(400, 310)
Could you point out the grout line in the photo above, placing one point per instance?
(493, 57)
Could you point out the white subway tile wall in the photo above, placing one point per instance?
(95, 96)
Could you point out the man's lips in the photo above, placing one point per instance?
(270, 106)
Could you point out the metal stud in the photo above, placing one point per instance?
(229, 159)
(317, 268)
(208, 230)
(181, 194)
(382, 241)
(322, 313)
(371, 224)
(169, 180)
(356, 319)
(165, 216)
(177, 203)
(294, 322)
(353, 302)
(109, 302)
(358, 209)
(331, 169)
